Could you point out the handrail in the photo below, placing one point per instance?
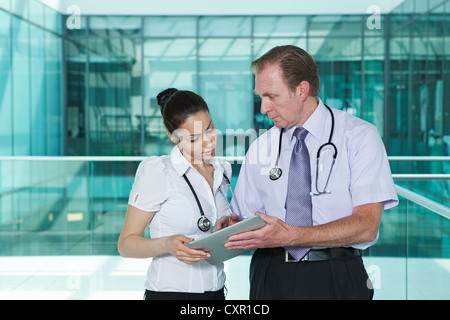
(424, 201)
(412, 196)
(232, 159)
(419, 158)
(420, 176)
(140, 158)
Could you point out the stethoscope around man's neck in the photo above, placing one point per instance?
(276, 172)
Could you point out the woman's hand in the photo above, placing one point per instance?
(227, 221)
(176, 245)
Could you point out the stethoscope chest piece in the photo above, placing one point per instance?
(275, 173)
(204, 224)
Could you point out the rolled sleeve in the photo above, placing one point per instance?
(150, 186)
(246, 199)
(371, 179)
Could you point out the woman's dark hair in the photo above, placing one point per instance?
(177, 106)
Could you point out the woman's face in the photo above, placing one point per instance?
(196, 137)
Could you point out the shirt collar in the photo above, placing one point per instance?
(179, 162)
(314, 124)
(182, 165)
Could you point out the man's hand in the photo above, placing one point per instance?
(361, 226)
(227, 221)
(275, 233)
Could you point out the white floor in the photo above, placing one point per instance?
(116, 278)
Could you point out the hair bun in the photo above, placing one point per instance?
(164, 96)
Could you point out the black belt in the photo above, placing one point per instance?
(324, 254)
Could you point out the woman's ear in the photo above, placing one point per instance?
(173, 138)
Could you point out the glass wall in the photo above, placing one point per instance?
(78, 210)
(418, 103)
(126, 67)
(92, 91)
(31, 77)
(31, 102)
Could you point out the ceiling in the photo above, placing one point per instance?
(229, 7)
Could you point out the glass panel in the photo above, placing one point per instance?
(75, 56)
(115, 26)
(225, 82)
(168, 63)
(374, 82)
(411, 257)
(63, 207)
(49, 211)
(6, 107)
(421, 6)
(330, 26)
(339, 62)
(54, 94)
(52, 20)
(280, 26)
(386, 261)
(38, 92)
(224, 26)
(68, 207)
(114, 96)
(20, 8)
(21, 88)
(170, 26)
(263, 45)
(446, 89)
(37, 12)
(428, 254)
(5, 4)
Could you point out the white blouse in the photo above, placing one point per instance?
(159, 187)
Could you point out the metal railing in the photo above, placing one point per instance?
(238, 160)
(423, 201)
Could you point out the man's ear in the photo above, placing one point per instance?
(302, 90)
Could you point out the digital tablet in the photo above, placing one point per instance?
(214, 243)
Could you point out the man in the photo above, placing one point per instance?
(311, 245)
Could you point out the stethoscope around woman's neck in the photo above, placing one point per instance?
(203, 223)
(276, 172)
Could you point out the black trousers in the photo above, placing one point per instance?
(162, 295)
(271, 278)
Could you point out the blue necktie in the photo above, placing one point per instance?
(298, 201)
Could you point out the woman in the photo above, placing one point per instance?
(163, 197)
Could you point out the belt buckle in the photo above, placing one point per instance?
(287, 259)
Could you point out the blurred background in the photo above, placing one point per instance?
(78, 112)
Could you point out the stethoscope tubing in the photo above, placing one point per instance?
(203, 223)
(276, 172)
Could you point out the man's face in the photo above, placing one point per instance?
(277, 101)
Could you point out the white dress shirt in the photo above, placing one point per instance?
(361, 173)
(159, 187)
